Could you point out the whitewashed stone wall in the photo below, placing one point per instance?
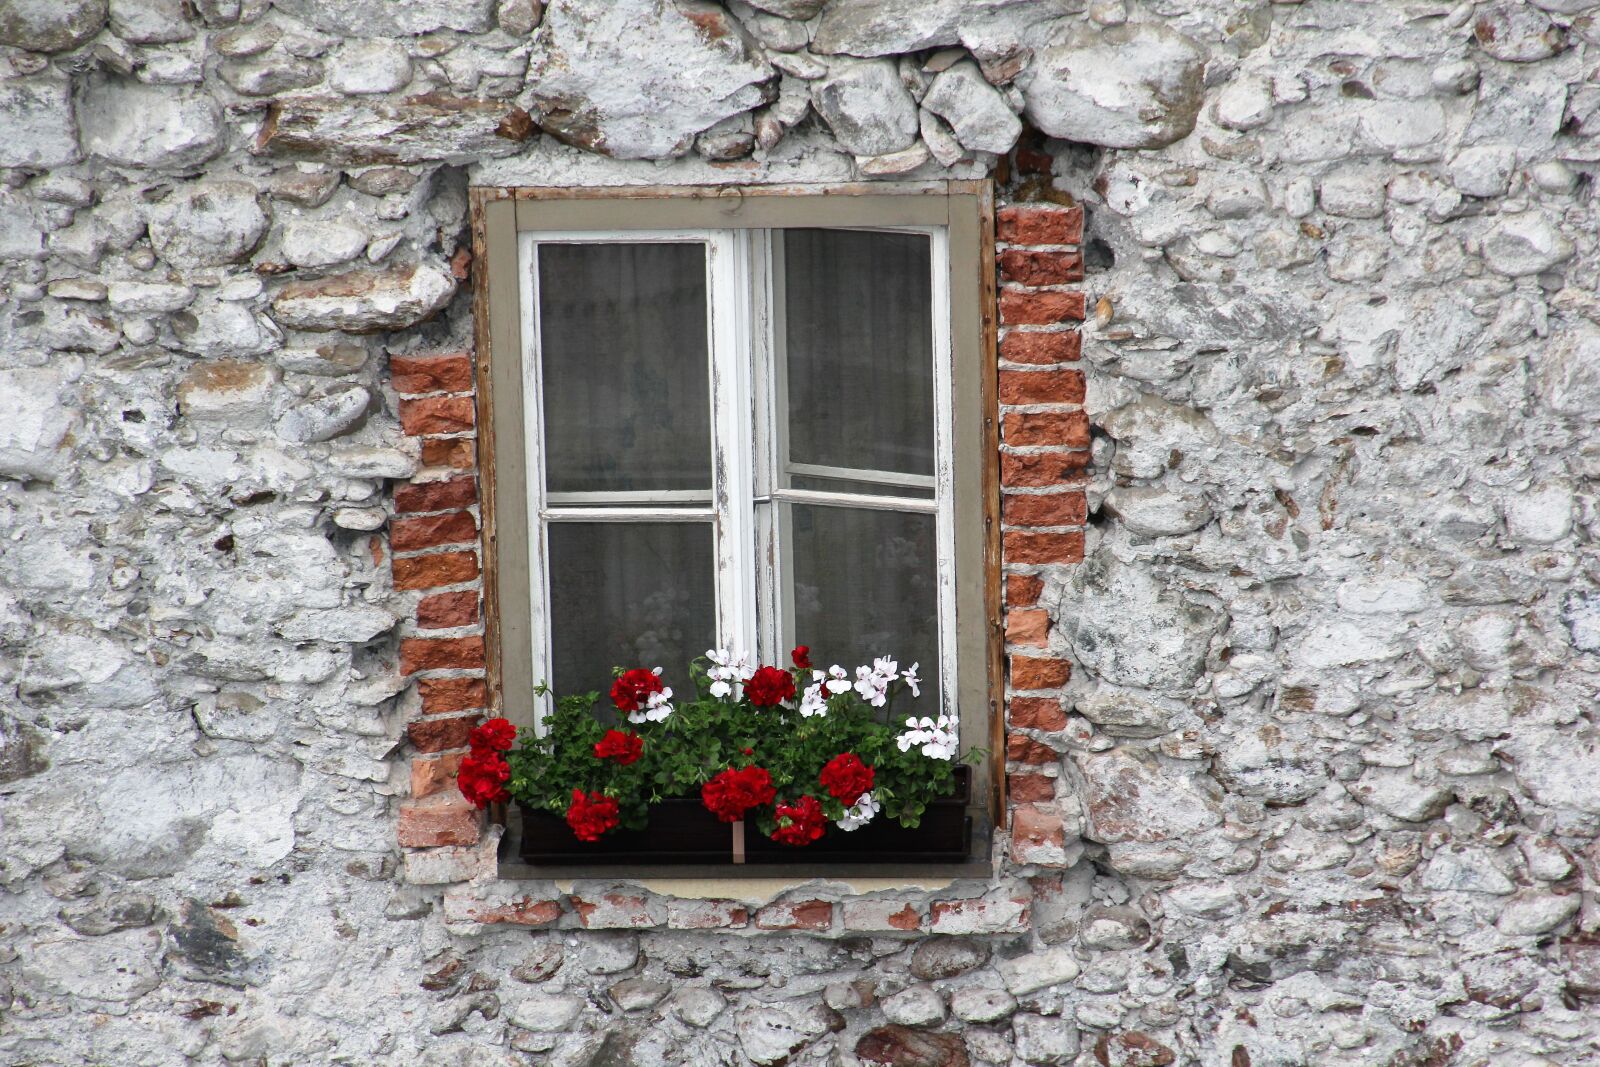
(1332, 747)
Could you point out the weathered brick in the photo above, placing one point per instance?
(431, 531)
(796, 915)
(431, 374)
(1031, 308)
(436, 496)
(443, 695)
(1045, 509)
(706, 914)
(441, 734)
(438, 866)
(443, 819)
(1039, 224)
(1020, 748)
(1037, 346)
(441, 568)
(441, 653)
(1038, 836)
(1030, 788)
(1036, 469)
(1068, 429)
(1040, 268)
(463, 905)
(871, 914)
(431, 774)
(440, 610)
(619, 911)
(438, 414)
(1037, 713)
(1023, 590)
(1027, 626)
(1039, 672)
(1027, 546)
(985, 915)
(1041, 387)
(458, 452)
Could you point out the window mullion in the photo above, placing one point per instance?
(944, 468)
(539, 649)
(732, 437)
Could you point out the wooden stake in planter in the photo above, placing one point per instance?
(738, 841)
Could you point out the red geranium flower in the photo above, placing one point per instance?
(482, 778)
(591, 814)
(845, 778)
(617, 745)
(769, 687)
(632, 690)
(733, 792)
(495, 735)
(799, 823)
(802, 657)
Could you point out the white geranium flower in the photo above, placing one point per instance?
(859, 814)
(657, 707)
(912, 681)
(836, 681)
(938, 739)
(814, 701)
(727, 672)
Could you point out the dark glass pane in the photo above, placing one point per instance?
(624, 357)
(629, 595)
(864, 586)
(858, 338)
(845, 485)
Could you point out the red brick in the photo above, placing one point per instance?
(880, 915)
(437, 496)
(706, 914)
(431, 531)
(1038, 836)
(430, 774)
(441, 653)
(1045, 509)
(439, 820)
(1027, 626)
(441, 568)
(525, 911)
(1017, 308)
(1026, 546)
(1020, 748)
(457, 452)
(1037, 713)
(1069, 429)
(1040, 268)
(799, 915)
(1040, 224)
(1023, 590)
(1039, 672)
(431, 374)
(984, 915)
(1037, 469)
(1030, 788)
(440, 414)
(448, 609)
(618, 911)
(1033, 346)
(1041, 387)
(443, 695)
(439, 735)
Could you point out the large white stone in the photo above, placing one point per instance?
(150, 21)
(136, 125)
(208, 225)
(37, 125)
(1131, 629)
(372, 66)
(1158, 511)
(365, 301)
(974, 109)
(1567, 369)
(33, 424)
(1525, 243)
(384, 18)
(1039, 970)
(866, 106)
(50, 25)
(1139, 85)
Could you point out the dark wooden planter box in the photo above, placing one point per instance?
(683, 831)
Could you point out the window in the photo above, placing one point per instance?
(737, 419)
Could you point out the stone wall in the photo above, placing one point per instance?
(1306, 746)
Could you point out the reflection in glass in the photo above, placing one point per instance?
(858, 340)
(863, 585)
(624, 358)
(628, 595)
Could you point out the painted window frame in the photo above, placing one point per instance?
(506, 221)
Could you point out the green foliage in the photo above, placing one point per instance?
(706, 734)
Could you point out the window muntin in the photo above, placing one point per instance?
(828, 345)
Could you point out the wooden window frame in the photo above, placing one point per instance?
(962, 210)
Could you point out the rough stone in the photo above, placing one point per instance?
(1038, 970)
(866, 106)
(210, 225)
(50, 25)
(901, 1046)
(364, 67)
(1156, 511)
(975, 111)
(640, 79)
(33, 424)
(135, 125)
(1525, 243)
(946, 957)
(770, 1034)
(321, 418)
(544, 1013)
(322, 243)
(1161, 645)
(1126, 799)
(977, 1004)
(378, 18)
(1044, 1039)
(1137, 85)
(36, 115)
(918, 1006)
(367, 301)
(427, 128)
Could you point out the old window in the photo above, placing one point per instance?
(736, 419)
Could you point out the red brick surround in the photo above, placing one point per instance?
(433, 539)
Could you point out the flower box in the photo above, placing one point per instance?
(682, 831)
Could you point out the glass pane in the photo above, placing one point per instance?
(842, 485)
(864, 585)
(629, 595)
(858, 339)
(626, 384)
